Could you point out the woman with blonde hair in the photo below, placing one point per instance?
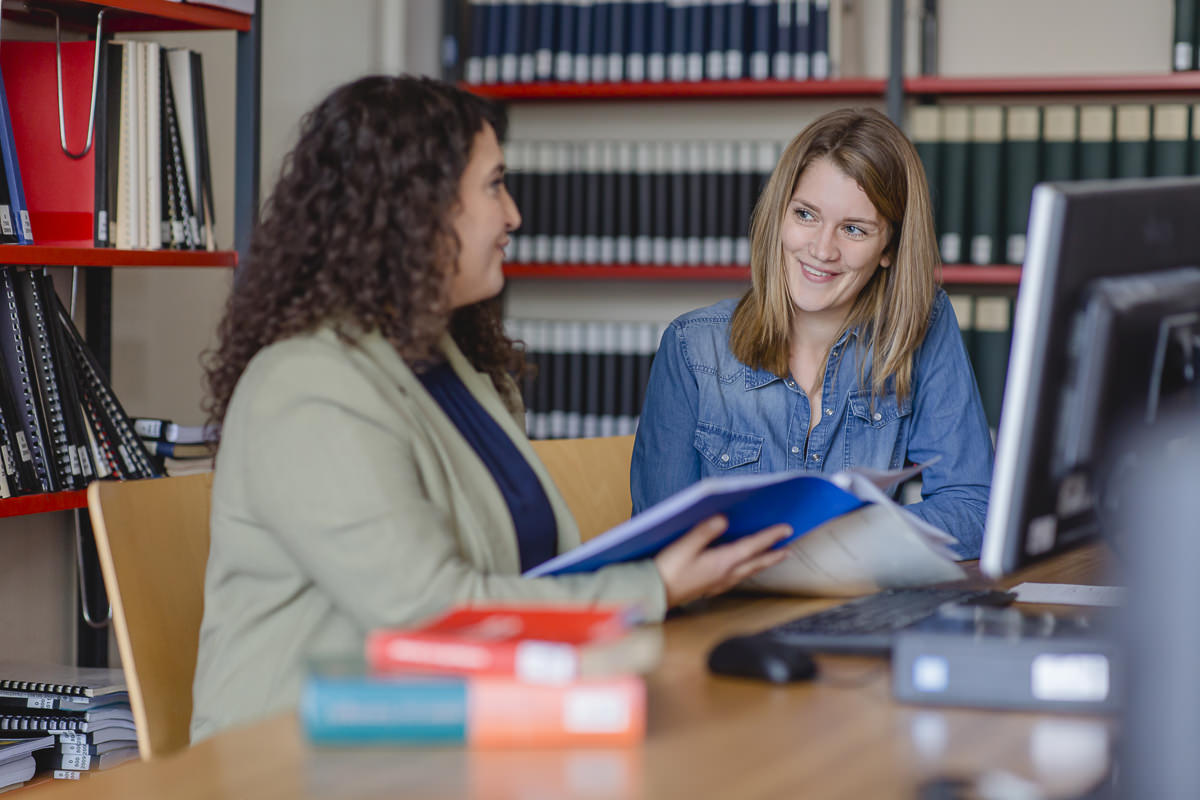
(844, 352)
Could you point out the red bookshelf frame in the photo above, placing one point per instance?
(139, 15)
(1061, 84)
(40, 256)
(41, 503)
(680, 90)
(956, 274)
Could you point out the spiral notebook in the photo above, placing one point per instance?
(29, 427)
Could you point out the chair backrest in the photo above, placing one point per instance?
(593, 476)
(152, 538)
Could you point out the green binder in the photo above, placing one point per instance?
(1022, 156)
(987, 183)
(926, 126)
(1060, 142)
(1169, 139)
(1133, 141)
(993, 337)
(1096, 142)
(956, 130)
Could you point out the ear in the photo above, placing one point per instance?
(885, 261)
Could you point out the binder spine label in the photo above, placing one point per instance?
(23, 446)
(25, 228)
(66, 775)
(76, 761)
(10, 466)
(6, 226)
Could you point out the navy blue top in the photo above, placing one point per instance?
(537, 532)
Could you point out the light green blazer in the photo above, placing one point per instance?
(345, 499)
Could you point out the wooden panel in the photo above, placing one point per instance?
(593, 476)
(152, 537)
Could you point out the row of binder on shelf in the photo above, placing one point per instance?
(525, 41)
(589, 378)
(61, 425)
(62, 722)
(983, 162)
(636, 202)
(144, 178)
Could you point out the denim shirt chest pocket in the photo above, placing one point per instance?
(723, 450)
(877, 429)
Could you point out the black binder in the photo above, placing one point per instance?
(30, 426)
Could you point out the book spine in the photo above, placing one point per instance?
(783, 56)
(618, 32)
(925, 125)
(1060, 142)
(656, 40)
(801, 40)
(677, 39)
(735, 37)
(1169, 138)
(820, 65)
(1133, 141)
(718, 40)
(1096, 142)
(583, 41)
(759, 23)
(626, 209)
(601, 34)
(1021, 156)
(1183, 54)
(956, 127)
(987, 182)
(993, 338)
(697, 40)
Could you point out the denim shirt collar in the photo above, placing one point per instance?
(757, 378)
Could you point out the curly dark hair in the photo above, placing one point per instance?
(358, 231)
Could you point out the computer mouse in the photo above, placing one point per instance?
(762, 658)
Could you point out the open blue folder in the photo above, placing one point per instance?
(751, 503)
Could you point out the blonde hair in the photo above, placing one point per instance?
(895, 304)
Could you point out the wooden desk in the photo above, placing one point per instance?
(841, 736)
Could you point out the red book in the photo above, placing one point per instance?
(544, 644)
(59, 190)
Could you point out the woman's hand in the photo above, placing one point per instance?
(690, 569)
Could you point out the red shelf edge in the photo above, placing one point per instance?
(627, 272)
(1061, 84)
(557, 90)
(991, 274)
(161, 15)
(42, 503)
(40, 255)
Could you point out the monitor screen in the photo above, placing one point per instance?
(1106, 335)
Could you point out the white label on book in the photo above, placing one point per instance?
(9, 465)
(1070, 677)
(70, 737)
(1183, 56)
(545, 662)
(595, 710)
(102, 225)
(85, 464)
(951, 248)
(71, 748)
(1016, 248)
(23, 447)
(66, 775)
(40, 701)
(981, 249)
(6, 226)
(25, 224)
(76, 761)
(73, 455)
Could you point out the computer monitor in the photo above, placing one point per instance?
(1106, 335)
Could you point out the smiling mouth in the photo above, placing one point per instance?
(814, 272)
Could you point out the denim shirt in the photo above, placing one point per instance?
(706, 413)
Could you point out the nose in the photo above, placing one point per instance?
(512, 214)
(823, 246)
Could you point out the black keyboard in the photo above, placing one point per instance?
(866, 625)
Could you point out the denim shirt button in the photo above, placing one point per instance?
(724, 456)
(877, 416)
(795, 449)
(829, 412)
(816, 456)
(791, 384)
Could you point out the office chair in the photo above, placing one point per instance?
(152, 539)
(593, 476)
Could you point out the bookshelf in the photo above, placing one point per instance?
(682, 90)
(135, 16)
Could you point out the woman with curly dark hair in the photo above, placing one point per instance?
(373, 467)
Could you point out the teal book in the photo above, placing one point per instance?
(1133, 141)
(1022, 157)
(925, 124)
(1169, 139)
(987, 183)
(1060, 142)
(956, 131)
(1096, 144)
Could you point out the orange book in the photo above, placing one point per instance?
(546, 644)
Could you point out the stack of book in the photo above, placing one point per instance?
(143, 182)
(491, 676)
(178, 449)
(75, 720)
(61, 425)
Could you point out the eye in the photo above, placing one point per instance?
(803, 214)
(855, 231)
